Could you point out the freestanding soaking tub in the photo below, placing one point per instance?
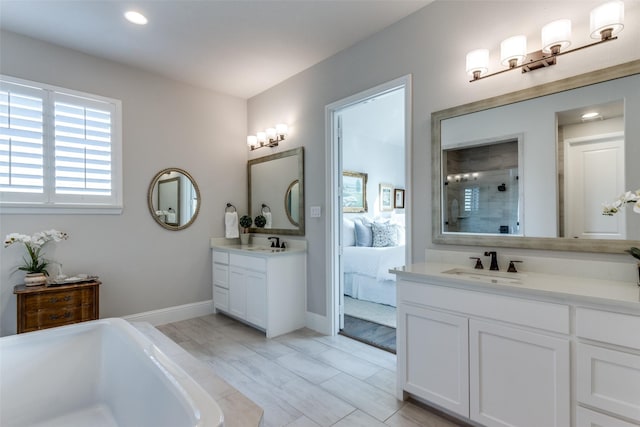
(102, 373)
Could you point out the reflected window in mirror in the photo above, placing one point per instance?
(173, 199)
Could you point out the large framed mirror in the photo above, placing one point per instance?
(173, 199)
(526, 170)
(276, 190)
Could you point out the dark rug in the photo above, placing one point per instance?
(381, 336)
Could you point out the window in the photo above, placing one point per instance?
(471, 199)
(60, 150)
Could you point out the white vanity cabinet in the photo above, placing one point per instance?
(265, 290)
(495, 359)
(608, 367)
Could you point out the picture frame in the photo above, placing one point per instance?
(354, 192)
(386, 197)
(398, 198)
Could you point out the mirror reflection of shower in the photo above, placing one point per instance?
(481, 189)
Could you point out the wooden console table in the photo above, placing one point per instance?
(42, 307)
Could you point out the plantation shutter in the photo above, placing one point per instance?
(22, 140)
(83, 146)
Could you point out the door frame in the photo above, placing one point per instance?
(333, 183)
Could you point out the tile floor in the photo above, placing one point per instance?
(303, 378)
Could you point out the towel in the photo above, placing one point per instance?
(231, 225)
(267, 216)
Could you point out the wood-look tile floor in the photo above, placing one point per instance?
(303, 378)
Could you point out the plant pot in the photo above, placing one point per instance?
(244, 238)
(35, 279)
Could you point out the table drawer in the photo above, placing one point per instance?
(588, 418)
(221, 275)
(220, 257)
(54, 300)
(47, 318)
(249, 262)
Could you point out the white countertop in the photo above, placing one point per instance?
(616, 294)
(260, 247)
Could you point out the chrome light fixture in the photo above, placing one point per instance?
(269, 138)
(606, 21)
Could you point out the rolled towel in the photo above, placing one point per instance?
(231, 225)
(267, 216)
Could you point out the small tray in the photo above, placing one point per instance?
(71, 280)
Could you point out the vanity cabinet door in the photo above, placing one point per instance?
(256, 291)
(237, 292)
(517, 377)
(436, 363)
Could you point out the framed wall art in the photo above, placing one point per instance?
(354, 191)
(398, 198)
(386, 197)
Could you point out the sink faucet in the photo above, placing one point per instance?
(494, 260)
(275, 244)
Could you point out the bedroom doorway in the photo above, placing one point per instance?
(369, 209)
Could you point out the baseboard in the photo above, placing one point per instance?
(319, 323)
(173, 314)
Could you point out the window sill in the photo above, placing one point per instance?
(62, 209)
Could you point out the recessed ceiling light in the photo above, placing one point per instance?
(591, 116)
(135, 17)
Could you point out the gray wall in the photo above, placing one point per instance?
(165, 124)
(431, 45)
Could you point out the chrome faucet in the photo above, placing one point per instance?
(494, 260)
(275, 244)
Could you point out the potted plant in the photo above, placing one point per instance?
(245, 222)
(34, 264)
(260, 221)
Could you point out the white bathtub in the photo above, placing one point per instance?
(102, 373)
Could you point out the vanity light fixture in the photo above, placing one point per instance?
(606, 21)
(269, 138)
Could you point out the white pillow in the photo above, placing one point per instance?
(348, 232)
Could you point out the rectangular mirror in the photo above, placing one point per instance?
(276, 191)
(566, 167)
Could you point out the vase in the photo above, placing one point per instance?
(35, 279)
(244, 238)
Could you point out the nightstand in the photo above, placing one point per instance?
(42, 307)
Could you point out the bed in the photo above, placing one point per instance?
(368, 257)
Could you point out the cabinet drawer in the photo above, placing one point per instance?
(588, 418)
(609, 327)
(220, 257)
(57, 300)
(221, 298)
(47, 318)
(609, 380)
(535, 314)
(221, 275)
(248, 262)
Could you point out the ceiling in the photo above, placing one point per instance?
(237, 47)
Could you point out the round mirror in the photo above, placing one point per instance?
(174, 199)
(292, 202)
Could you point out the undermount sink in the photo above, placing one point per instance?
(486, 276)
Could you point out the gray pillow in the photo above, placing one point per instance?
(364, 235)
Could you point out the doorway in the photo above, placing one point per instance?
(369, 171)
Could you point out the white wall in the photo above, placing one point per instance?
(431, 45)
(165, 124)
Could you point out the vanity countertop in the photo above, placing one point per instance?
(258, 249)
(616, 294)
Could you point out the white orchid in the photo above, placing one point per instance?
(627, 197)
(34, 244)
